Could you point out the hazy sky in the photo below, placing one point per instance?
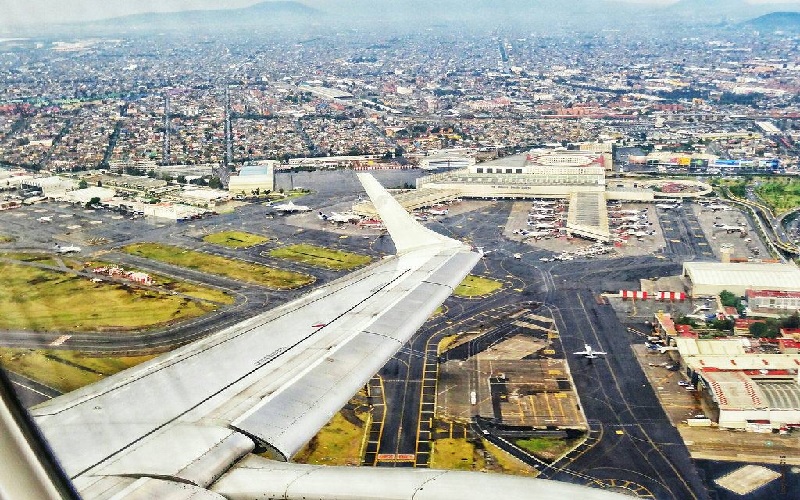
(15, 12)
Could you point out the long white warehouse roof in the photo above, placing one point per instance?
(753, 275)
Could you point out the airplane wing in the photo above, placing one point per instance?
(582, 353)
(185, 424)
(270, 382)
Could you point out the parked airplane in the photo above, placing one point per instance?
(537, 234)
(730, 229)
(290, 207)
(588, 352)
(435, 211)
(67, 249)
(718, 206)
(339, 217)
(667, 206)
(45, 219)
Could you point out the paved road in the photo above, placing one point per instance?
(30, 392)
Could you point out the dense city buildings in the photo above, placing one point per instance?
(68, 104)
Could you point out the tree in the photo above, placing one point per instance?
(215, 183)
(181, 179)
(93, 202)
(792, 321)
(765, 329)
(729, 299)
(83, 184)
(758, 330)
(683, 320)
(721, 324)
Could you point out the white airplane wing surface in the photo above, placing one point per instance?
(171, 427)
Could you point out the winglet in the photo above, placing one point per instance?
(407, 233)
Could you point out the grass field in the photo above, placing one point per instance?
(458, 454)
(64, 370)
(321, 257)
(338, 443)
(6, 239)
(476, 286)
(44, 300)
(165, 283)
(780, 194)
(546, 448)
(235, 239)
(235, 269)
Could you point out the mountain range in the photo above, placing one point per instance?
(411, 14)
(776, 21)
(261, 14)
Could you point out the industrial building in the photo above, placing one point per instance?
(259, 177)
(745, 383)
(711, 278)
(84, 196)
(747, 388)
(772, 300)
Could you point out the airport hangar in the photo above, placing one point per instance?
(576, 175)
(711, 278)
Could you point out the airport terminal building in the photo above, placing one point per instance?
(547, 174)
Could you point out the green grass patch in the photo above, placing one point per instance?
(231, 268)
(338, 443)
(321, 257)
(6, 239)
(64, 370)
(235, 239)
(476, 286)
(546, 448)
(458, 454)
(780, 194)
(43, 300)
